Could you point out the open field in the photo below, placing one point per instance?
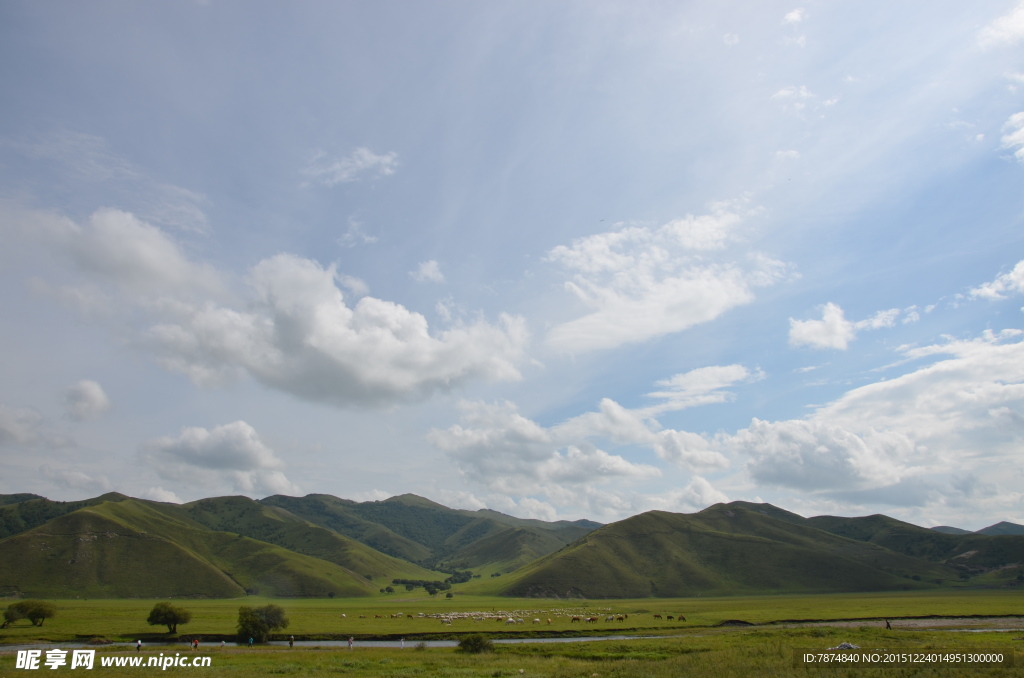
(322, 618)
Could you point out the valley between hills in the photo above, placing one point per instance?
(320, 546)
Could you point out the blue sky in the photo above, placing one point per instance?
(577, 259)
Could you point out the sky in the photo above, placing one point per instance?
(581, 259)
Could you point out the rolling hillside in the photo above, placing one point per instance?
(132, 549)
(422, 531)
(723, 550)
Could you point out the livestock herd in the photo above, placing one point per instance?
(520, 616)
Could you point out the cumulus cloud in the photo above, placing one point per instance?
(85, 400)
(299, 336)
(642, 282)
(355, 235)
(501, 449)
(1014, 137)
(1007, 283)
(362, 163)
(427, 271)
(962, 411)
(834, 330)
(1006, 30)
(232, 452)
(288, 323)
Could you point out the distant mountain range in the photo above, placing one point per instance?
(113, 546)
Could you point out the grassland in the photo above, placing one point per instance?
(697, 646)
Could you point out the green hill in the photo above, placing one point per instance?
(133, 549)
(421, 531)
(948, 529)
(723, 550)
(19, 516)
(1002, 529)
(280, 527)
(505, 551)
(972, 554)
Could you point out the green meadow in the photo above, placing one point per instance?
(698, 646)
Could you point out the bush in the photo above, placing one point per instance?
(165, 614)
(36, 611)
(259, 622)
(475, 643)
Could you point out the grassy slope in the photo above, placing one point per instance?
(133, 549)
(88, 554)
(419, 530)
(505, 551)
(972, 553)
(1002, 528)
(19, 516)
(280, 527)
(337, 514)
(720, 551)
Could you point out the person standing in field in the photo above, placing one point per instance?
(250, 642)
(350, 641)
(291, 641)
(138, 645)
(403, 643)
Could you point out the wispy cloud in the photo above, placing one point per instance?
(362, 163)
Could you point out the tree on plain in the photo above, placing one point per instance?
(259, 622)
(165, 614)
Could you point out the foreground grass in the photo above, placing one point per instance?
(719, 652)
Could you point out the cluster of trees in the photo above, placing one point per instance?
(259, 622)
(459, 577)
(432, 587)
(36, 611)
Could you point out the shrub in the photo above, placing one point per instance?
(475, 643)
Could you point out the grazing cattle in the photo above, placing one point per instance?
(549, 621)
(376, 616)
(610, 618)
(669, 617)
(592, 620)
(510, 620)
(408, 615)
(575, 619)
(620, 618)
(657, 616)
(682, 618)
(520, 621)
(535, 621)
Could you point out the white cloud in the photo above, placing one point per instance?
(1014, 137)
(160, 494)
(427, 271)
(504, 451)
(896, 440)
(647, 282)
(362, 163)
(85, 400)
(119, 249)
(1006, 30)
(19, 425)
(787, 155)
(288, 325)
(834, 330)
(730, 39)
(701, 386)
(75, 480)
(355, 235)
(795, 16)
(233, 453)
(1012, 283)
(299, 336)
